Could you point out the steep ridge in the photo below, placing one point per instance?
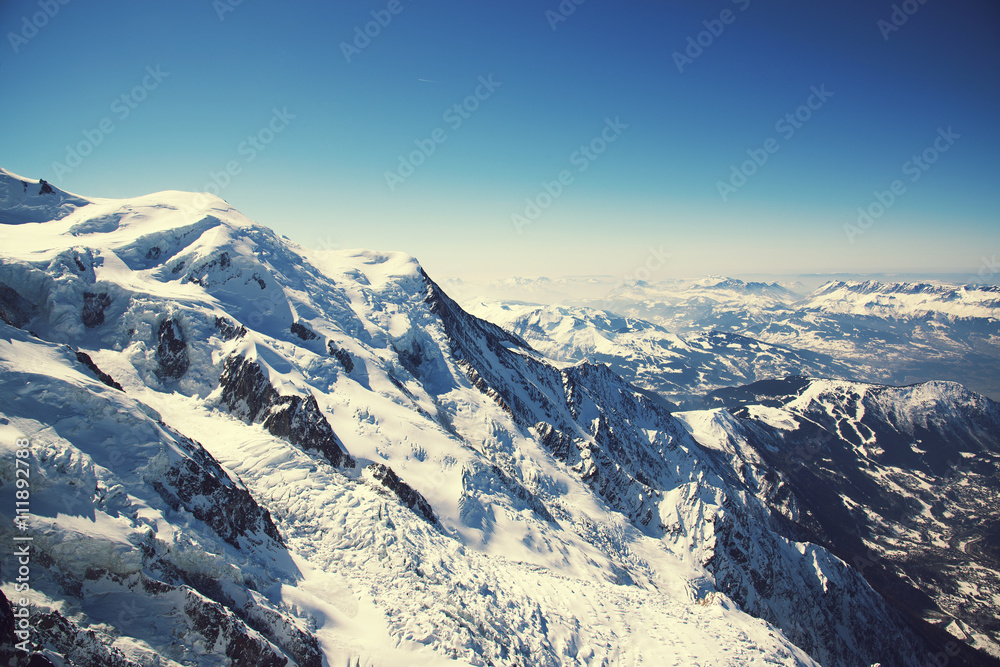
(663, 489)
(901, 482)
(427, 475)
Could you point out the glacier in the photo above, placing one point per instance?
(248, 452)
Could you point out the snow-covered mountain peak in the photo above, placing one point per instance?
(905, 300)
(398, 481)
(24, 200)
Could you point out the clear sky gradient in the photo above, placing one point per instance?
(76, 77)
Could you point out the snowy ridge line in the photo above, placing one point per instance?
(470, 530)
(902, 300)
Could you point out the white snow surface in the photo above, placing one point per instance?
(494, 584)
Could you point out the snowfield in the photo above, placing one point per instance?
(250, 453)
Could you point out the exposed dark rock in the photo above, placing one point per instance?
(85, 359)
(202, 487)
(342, 355)
(215, 623)
(411, 359)
(560, 444)
(303, 647)
(178, 267)
(229, 329)
(302, 331)
(250, 633)
(260, 281)
(247, 392)
(94, 306)
(82, 648)
(171, 352)
(200, 274)
(771, 393)
(45, 188)
(8, 653)
(80, 265)
(406, 493)
(14, 309)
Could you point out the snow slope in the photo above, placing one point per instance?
(299, 456)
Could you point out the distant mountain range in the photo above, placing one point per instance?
(878, 332)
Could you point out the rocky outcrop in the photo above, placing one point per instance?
(302, 331)
(94, 305)
(245, 634)
(406, 493)
(200, 485)
(247, 392)
(14, 309)
(10, 654)
(171, 350)
(78, 646)
(228, 329)
(341, 355)
(85, 359)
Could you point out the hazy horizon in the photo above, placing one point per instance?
(536, 139)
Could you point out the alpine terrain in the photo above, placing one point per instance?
(223, 448)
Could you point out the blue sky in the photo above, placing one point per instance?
(314, 126)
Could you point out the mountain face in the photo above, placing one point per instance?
(243, 452)
(901, 482)
(680, 367)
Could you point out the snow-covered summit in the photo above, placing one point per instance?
(436, 488)
(29, 200)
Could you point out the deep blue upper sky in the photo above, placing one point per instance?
(322, 178)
